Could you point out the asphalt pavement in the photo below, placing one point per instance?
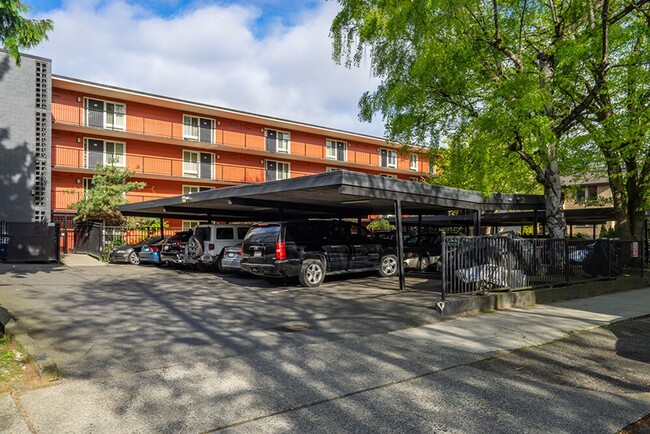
(148, 350)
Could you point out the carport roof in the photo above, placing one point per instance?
(326, 195)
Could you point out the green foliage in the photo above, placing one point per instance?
(150, 224)
(380, 224)
(503, 88)
(608, 233)
(19, 33)
(108, 192)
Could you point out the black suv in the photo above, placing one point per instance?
(312, 249)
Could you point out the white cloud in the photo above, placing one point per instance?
(210, 54)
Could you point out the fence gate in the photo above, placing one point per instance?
(29, 242)
(66, 241)
(88, 238)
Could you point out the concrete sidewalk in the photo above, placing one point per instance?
(517, 328)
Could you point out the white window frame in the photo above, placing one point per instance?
(286, 143)
(189, 189)
(288, 172)
(192, 137)
(86, 185)
(414, 179)
(107, 126)
(331, 151)
(189, 224)
(413, 162)
(187, 168)
(106, 161)
(335, 169)
(389, 153)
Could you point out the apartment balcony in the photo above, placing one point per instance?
(62, 199)
(69, 117)
(75, 159)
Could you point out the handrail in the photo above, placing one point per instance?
(78, 116)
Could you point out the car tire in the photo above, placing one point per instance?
(388, 266)
(312, 273)
(423, 263)
(134, 259)
(195, 247)
(220, 268)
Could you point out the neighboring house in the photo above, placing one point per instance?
(177, 147)
(592, 191)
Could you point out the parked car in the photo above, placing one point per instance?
(230, 261)
(207, 243)
(150, 253)
(310, 250)
(173, 249)
(422, 252)
(129, 254)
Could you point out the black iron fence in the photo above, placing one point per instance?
(97, 240)
(488, 263)
(29, 242)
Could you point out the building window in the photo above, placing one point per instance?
(198, 164)
(105, 114)
(108, 153)
(335, 169)
(414, 179)
(276, 170)
(198, 129)
(189, 224)
(388, 158)
(386, 175)
(277, 141)
(87, 185)
(336, 150)
(189, 189)
(587, 193)
(413, 162)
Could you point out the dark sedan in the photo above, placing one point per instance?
(129, 254)
(422, 251)
(173, 249)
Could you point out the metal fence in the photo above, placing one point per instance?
(29, 242)
(488, 263)
(97, 240)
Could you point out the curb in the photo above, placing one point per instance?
(507, 300)
(40, 361)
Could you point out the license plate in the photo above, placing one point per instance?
(257, 254)
(231, 255)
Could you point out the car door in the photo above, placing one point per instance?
(336, 246)
(365, 251)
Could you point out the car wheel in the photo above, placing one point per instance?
(220, 268)
(133, 258)
(388, 266)
(195, 247)
(312, 273)
(423, 263)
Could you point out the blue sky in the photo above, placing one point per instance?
(268, 57)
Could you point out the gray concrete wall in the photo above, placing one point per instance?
(25, 138)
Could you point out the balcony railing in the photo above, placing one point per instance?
(78, 116)
(173, 167)
(62, 199)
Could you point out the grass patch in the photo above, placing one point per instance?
(12, 365)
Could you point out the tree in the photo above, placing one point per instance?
(108, 192)
(19, 33)
(499, 76)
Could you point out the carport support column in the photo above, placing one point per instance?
(400, 244)
(162, 227)
(477, 222)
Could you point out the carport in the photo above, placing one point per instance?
(339, 194)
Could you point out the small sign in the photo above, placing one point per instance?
(635, 249)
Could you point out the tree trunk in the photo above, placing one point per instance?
(555, 221)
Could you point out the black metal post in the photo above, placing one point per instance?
(162, 227)
(443, 260)
(400, 244)
(535, 222)
(594, 227)
(477, 222)
(419, 224)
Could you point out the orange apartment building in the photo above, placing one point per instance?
(178, 147)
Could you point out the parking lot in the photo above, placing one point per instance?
(160, 350)
(99, 321)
